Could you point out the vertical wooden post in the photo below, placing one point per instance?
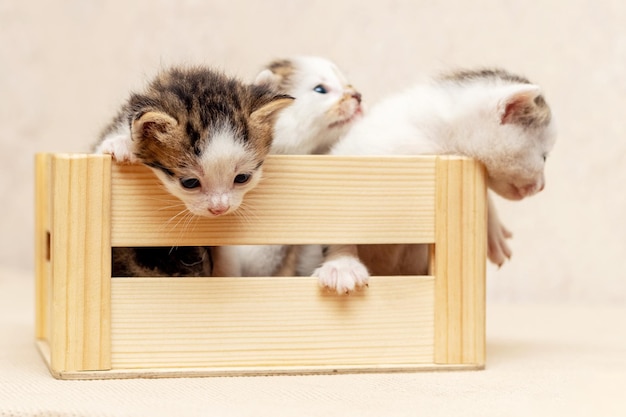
(42, 246)
(460, 261)
(80, 233)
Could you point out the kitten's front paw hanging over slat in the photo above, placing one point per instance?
(344, 274)
(119, 147)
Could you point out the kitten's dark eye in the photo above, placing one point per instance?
(242, 178)
(320, 89)
(545, 156)
(190, 183)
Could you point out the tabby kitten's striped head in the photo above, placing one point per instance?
(205, 135)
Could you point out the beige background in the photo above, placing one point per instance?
(65, 66)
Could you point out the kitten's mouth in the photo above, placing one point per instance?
(521, 192)
(514, 193)
(339, 123)
(506, 190)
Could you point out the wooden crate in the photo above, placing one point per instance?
(91, 325)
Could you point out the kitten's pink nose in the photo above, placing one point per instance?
(217, 211)
(351, 92)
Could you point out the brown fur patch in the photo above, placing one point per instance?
(528, 112)
(283, 69)
(463, 76)
(525, 112)
(390, 260)
(290, 262)
(171, 123)
(384, 260)
(198, 101)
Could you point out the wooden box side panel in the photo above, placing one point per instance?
(269, 322)
(460, 262)
(301, 200)
(80, 252)
(42, 247)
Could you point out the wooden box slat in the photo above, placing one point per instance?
(221, 322)
(302, 200)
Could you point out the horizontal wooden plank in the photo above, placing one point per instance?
(199, 372)
(301, 200)
(269, 322)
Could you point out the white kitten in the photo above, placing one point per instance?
(496, 117)
(324, 109)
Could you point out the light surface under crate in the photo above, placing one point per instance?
(92, 325)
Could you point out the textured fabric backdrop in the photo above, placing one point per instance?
(65, 66)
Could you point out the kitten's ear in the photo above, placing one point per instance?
(265, 114)
(267, 78)
(518, 104)
(152, 125)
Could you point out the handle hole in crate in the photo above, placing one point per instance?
(48, 246)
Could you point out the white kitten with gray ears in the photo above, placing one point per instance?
(496, 117)
(326, 105)
(325, 108)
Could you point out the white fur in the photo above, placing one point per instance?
(119, 144)
(260, 260)
(311, 125)
(448, 118)
(343, 274)
(314, 122)
(310, 257)
(223, 158)
(452, 118)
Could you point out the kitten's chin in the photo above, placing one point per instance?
(512, 195)
(345, 122)
(515, 192)
(212, 212)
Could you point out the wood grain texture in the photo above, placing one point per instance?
(267, 322)
(460, 262)
(42, 248)
(80, 262)
(301, 200)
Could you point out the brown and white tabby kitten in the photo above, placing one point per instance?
(205, 135)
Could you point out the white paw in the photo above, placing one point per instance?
(119, 147)
(342, 274)
(498, 250)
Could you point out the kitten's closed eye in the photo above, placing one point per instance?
(320, 89)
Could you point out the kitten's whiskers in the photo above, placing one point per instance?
(245, 213)
(179, 217)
